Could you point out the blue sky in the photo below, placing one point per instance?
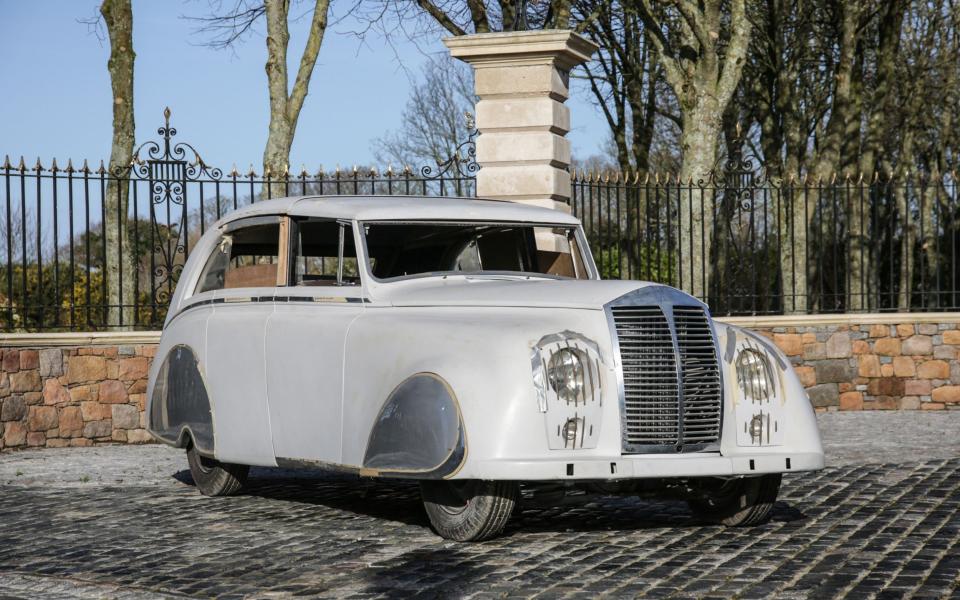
(56, 97)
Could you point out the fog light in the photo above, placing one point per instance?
(756, 427)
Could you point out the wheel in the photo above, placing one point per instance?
(738, 502)
(469, 510)
(214, 478)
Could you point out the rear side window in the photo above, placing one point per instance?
(316, 255)
(245, 257)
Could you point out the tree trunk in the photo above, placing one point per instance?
(699, 143)
(704, 85)
(861, 296)
(284, 108)
(830, 143)
(118, 271)
(793, 213)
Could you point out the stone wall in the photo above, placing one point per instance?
(61, 390)
(75, 396)
(874, 366)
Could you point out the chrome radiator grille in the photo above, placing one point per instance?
(671, 381)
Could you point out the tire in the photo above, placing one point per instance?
(469, 510)
(214, 478)
(739, 502)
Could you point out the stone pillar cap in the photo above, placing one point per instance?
(567, 48)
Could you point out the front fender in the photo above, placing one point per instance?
(484, 355)
(796, 428)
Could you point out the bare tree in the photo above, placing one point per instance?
(286, 102)
(623, 79)
(701, 49)
(118, 17)
(433, 124)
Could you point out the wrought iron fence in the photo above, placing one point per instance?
(781, 246)
(773, 246)
(63, 227)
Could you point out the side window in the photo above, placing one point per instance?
(316, 260)
(246, 257)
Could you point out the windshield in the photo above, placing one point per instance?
(417, 248)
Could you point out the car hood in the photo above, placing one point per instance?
(505, 291)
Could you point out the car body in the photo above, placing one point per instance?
(364, 334)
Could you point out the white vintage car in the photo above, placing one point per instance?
(470, 345)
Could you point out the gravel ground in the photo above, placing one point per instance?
(848, 439)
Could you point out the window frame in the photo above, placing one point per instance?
(243, 223)
(586, 259)
(345, 227)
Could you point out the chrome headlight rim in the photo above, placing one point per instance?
(566, 374)
(754, 374)
(550, 349)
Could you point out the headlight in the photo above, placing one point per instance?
(565, 372)
(754, 375)
(758, 407)
(568, 383)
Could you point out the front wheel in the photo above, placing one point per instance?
(214, 478)
(469, 510)
(738, 502)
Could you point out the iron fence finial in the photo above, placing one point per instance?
(53, 165)
(38, 167)
(6, 162)
(23, 165)
(166, 116)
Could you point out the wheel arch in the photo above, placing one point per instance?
(180, 411)
(418, 432)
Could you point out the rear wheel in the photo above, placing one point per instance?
(214, 478)
(470, 510)
(738, 502)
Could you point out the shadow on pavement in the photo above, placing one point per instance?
(399, 501)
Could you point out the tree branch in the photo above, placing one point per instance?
(671, 68)
(736, 51)
(441, 17)
(694, 18)
(318, 27)
(478, 15)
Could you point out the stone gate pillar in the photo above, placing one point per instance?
(522, 80)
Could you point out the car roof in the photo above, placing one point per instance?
(388, 208)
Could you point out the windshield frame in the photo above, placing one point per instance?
(586, 258)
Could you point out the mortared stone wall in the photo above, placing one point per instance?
(57, 390)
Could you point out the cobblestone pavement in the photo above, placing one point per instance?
(123, 522)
